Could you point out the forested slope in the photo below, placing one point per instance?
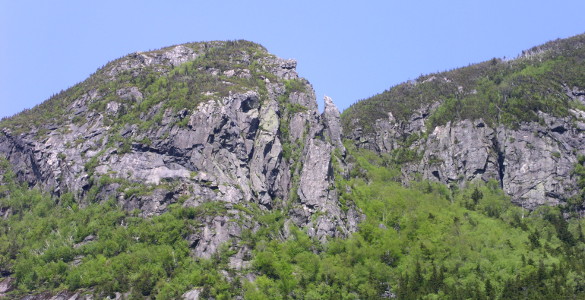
(415, 242)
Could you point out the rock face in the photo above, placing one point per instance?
(263, 145)
(6, 285)
(533, 163)
(496, 120)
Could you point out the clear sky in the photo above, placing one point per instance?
(348, 50)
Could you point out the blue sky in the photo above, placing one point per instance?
(348, 50)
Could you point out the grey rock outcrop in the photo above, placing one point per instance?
(7, 284)
(465, 150)
(533, 163)
(332, 120)
(65, 295)
(171, 56)
(192, 294)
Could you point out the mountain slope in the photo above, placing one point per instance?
(519, 122)
(221, 122)
(204, 171)
(425, 241)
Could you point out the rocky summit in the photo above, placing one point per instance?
(250, 136)
(206, 171)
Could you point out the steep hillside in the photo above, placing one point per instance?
(204, 171)
(425, 241)
(517, 121)
(220, 122)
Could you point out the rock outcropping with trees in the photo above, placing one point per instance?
(205, 171)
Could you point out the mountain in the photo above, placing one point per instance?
(519, 121)
(205, 171)
(221, 122)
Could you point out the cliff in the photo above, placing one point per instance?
(205, 171)
(519, 122)
(221, 122)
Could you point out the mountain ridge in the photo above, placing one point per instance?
(525, 114)
(205, 170)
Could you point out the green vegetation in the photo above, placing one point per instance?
(575, 203)
(52, 244)
(291, 149)
(499, 92)
(430, 242)
(288, 110)
(186, 85)
(423, 241)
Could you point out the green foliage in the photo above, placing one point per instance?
(126, 146)
(577, 202)
(295, 86)
(291, 149)
(405, 155)
(49, 246)
(422, 241)
(426, 242)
